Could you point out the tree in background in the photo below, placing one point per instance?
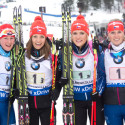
(106, 5)
(96, 4)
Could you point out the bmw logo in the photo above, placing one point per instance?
(118, 60)
(35, 66)
(80, 63)
(8, 66)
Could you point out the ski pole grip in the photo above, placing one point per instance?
(63, 81)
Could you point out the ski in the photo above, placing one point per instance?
(68, 98)
(23, 94)
(13, 67)
(18, 70)
(70, 70)
(19, 83)
(93, 112)
(64, 65)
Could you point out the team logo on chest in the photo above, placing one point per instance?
(8, 66)
(118, 60)
(118, 57)
(35, 66)
(80, 63)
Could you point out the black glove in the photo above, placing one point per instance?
(54, 94)
(59, 44)
(15, 95)
(105, 43)
(63, 81)
(95, 96)
(11, 99)
(96, 44)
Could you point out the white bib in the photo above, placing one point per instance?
(115, 73)
(83, 74)
(5, 72)
(83, 69)
(39, 76)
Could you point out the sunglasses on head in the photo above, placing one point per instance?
(7, 31)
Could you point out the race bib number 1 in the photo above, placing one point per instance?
(81, 75)
(35, 78)
(117, 73)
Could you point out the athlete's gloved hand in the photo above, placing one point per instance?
(96, 44)
(59, 44)
(105, 43)
(54, 94)
(63, 81)
(95, 96)
(15, 95)
(11, 99)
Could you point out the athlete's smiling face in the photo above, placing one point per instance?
(116, 37)
(79, 37)
(38, 41)
(7, 42)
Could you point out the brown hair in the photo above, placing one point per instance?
(45, 50)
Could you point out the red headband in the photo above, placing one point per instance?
(115, 25)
